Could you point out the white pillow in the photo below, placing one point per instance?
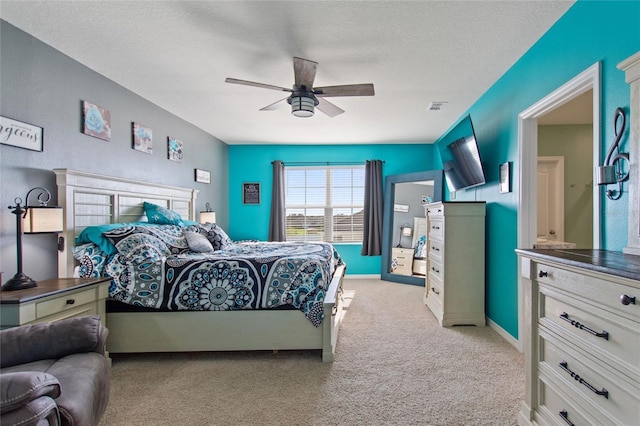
(198, 242)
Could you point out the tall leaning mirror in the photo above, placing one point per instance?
(404, 226)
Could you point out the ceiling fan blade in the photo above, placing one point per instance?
(328, 108)
(254, 84)
(274, 106)
(345, 90)
(304, 71)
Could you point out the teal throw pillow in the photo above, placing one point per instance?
(161, 215)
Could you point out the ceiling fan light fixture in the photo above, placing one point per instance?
(302, 106)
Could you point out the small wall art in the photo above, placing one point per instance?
(22, 135)
(202, 176)
(96, 121)
(174, 149)
(142, 138)
(505, 177)
(401, 208)
(251, 193)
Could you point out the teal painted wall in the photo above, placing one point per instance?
(252, 163)
(591, 31)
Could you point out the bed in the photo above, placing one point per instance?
(90, 200)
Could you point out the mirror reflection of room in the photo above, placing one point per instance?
(409, 236)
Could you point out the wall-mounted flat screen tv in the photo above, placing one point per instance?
(461, 157)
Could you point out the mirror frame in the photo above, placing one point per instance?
(389, 194)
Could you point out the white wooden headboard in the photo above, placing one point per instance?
(90, 199)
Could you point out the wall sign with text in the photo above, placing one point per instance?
(22, 135)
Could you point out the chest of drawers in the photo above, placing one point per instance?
(454, 289)
(581, 337)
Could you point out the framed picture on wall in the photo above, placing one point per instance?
(142, 138)
(96, 121)
(202, 176)
(505, 177)
(251, 193)
(174, 149)
(401, 208)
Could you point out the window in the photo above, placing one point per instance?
(324, 203)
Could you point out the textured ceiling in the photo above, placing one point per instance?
(177, 55)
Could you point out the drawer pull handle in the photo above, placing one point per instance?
(435, 227)
(433, 289)
(565, 417)
(437, 249)
(543, 274)
(627, 300)
(579, 379)
(437, 271)
(576, 324)
(71, 301)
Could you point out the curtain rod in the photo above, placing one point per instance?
(322, 163)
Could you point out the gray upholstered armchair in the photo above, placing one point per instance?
(54, 373)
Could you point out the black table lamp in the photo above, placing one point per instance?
(32, 220)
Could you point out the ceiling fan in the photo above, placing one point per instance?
(304, 97)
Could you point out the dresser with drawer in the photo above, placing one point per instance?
(581, 337)
(454, 289)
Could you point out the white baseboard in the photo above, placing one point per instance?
(362, 277)
(506, 336)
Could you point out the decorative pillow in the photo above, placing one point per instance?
(216, 235)
(161, 215)
(151, 242)
(91, 258)
(198, 242)
(420, 250)
(93, 234)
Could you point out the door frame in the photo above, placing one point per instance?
(588, 79)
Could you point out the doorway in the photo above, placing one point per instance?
(588, 80)
(550, 199)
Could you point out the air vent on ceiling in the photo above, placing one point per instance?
(437, 106)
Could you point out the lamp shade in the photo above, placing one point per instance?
(207, 217)
(302, 106)
(42, 219)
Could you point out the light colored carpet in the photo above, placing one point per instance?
(394, 366)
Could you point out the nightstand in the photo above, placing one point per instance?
(402, 260)
(53, 300)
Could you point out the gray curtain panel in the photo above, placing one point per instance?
(277, 221)
(373, 208)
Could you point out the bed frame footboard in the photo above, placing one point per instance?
(185, 331)
(333, 315)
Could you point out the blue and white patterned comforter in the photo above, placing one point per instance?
(243, 275)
